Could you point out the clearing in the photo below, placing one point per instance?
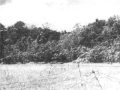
(60, 77)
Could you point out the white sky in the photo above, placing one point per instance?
(61, 14)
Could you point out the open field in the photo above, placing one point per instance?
(60, 77)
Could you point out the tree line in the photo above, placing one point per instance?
(96, 42)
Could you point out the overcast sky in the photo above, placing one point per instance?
(61, 14)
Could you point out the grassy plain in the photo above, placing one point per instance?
(66, 76)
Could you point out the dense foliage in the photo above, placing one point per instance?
(96, 42)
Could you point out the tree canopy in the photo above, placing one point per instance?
(96, 42)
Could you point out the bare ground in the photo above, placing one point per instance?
(67, 76)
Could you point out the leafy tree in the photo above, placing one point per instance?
(12, 35)
(2, 27)
(111, 21)
(21, 29)
(19, 25)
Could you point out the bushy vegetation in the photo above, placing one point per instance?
(96, 42)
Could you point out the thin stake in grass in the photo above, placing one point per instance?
(97, 79)
(79, 70)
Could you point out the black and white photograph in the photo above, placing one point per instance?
(59, 45)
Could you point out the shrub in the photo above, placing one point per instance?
(96, 55)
